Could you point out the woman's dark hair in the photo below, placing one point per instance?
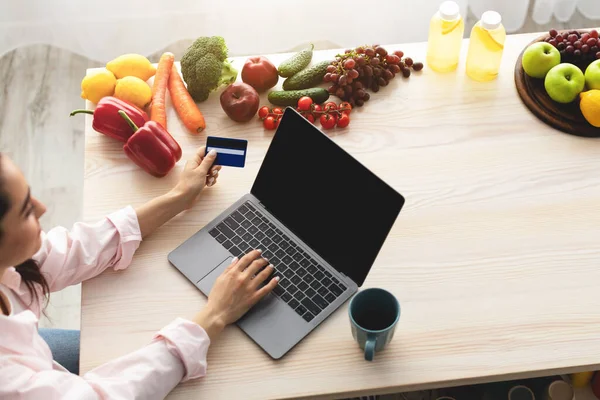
(29, 270)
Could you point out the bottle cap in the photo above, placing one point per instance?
(491, 20)
(449, 11)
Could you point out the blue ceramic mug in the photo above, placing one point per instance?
(374, 314)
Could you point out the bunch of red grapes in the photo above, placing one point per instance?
(575, 46)
(363, 68)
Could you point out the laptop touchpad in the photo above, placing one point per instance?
(208, 281)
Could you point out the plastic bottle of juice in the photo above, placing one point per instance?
(446, 31)
(485, 47)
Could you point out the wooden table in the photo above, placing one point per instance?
(495, 257)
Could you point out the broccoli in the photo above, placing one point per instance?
(205, 67)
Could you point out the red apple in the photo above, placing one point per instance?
(260, 73)
(240, 102)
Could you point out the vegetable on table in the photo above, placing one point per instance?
(183, 103)
(108, 121)
(291, 97)
(159, 89)
(151, 147)
(205, 67)
(308, 77)
(296, 63)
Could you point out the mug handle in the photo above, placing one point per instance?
(370, 347)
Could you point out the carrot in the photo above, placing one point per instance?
(159, 89)
(185, 106)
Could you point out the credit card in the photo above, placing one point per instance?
(230, 152)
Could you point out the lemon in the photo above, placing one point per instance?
(131, 65)
(488, 39)
(98, 84)
(133, 90)
(590, 106)
(450, 26)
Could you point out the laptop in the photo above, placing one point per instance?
(319, 216)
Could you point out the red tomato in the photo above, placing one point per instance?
(345, 107)
(316, 110)
(309, 117)
(327, 121)
(263, 112)
(270, 123)
(330, 106)
(277, 110)
(343, 121)
(304, 103)
(260, 73)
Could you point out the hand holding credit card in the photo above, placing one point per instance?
(230, 152)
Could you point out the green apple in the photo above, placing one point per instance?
(564, 82)
(592, 75)
(539, 58)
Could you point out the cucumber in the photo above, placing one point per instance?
(296, 63)
(291, 97)
(307, 78)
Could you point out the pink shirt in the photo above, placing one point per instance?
(175, 354)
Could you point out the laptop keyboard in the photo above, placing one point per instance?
(304, 285)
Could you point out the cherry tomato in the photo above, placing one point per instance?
(327, 121)
(270, 123)
(304, 103)
(316, 110)
(345, 107)
(343, 121)
(330, 106)
(263, 112)
(277, 110)
(309, 117)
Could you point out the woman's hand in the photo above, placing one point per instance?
(235, 292)
(198, 173)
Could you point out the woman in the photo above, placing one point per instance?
(32, 264)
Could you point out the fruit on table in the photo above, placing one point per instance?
(205, 67)
(240, 102)
(296, 63)
(592, 75)
(109, 122)
(98, 84)
(260, 73)
(151, 147)
(575, 46)
(539, 58)
(564, 82)
(131, 65)
(133, 90)
(590, 106)
(307, 78)
(364, 68)
(291, 97)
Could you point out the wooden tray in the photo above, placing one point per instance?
(565, 117)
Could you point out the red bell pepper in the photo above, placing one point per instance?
(108, 121)
(151, 147)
